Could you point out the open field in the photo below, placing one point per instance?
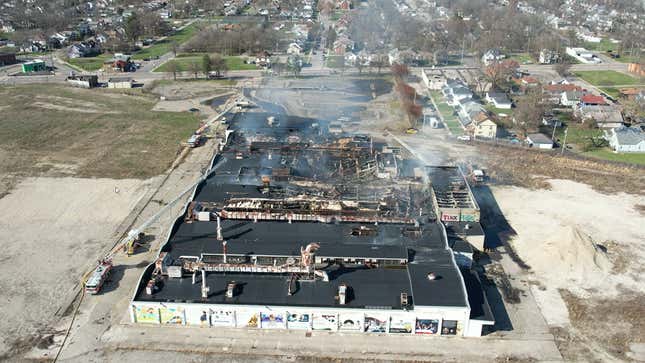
(60, 130)
(606, 78)
(584, 275)
(164, 46)
(522, 58)
(62, 226)
(184, 61)
(90, 63)
(607, 154)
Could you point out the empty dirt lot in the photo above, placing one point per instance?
(74, 163)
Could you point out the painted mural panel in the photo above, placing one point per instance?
(221, 317)
(351, 322)
(272, 320)
(325, 322)
(376, 323)
(146, 314)
(401, 324)
(172, 315)
(248, 319)
(298, 320)
(426, 326)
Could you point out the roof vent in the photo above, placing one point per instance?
(432, 276)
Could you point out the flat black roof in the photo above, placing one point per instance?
(378, 287)
(445, 290)
(285, 239)
(479, 307)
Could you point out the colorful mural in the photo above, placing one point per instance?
(172, 315)
(426, 326)
(298, 320)
(272, 320)
(218, 317)
(401, 324)
(146, 314)
(376, 323)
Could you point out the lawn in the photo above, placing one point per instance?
(164, 46)
(451, 121)
(499, 111)
(607, 154)
(577, 133)
(606, 78)
(183, 62)
(90, 63)
(91, 133)
(522, 58)
(335, 61)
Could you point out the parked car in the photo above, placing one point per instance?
(463, 137)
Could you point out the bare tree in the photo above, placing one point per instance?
(218, 64)
(529, 111)
(172, 68)
(194, 67)
(562, 68)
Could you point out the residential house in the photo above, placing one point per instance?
(631, 93)
(554, 92)
(626, 139)
(459, 93)
(583, 55)
(84, 49)
(394, 56)
(482, 126)
(342, 44)
(605, 116)
(551, 121)
(571, 98)
(592, 100)
(433, 78)
(548, 56)
(499, 100)
(540, 141)
(294, 48)
(491, 56)
(263, 59)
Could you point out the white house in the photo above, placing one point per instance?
(433, 78)
(499, 100)
(540, 141)
(583, 55)
(294, 48)
(492, 55)
(570, 98)
(548, 56)
(626, 139)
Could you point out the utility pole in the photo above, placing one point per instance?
(463, 44)
(555, 126)
(564, 143)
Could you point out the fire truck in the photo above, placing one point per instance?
(98, 277)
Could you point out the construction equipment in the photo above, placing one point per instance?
(132, 243)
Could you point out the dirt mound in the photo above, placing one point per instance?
(570, 255)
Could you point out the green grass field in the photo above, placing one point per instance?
(451, 121)
(606, 78)
(97, 133)
(607, 154)
(90, 63)
(522, 58)
(164, 46)
(183, 62)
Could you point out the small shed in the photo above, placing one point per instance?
(540, 141)
(120, 82)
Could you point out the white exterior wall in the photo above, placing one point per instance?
(238, 316)
(119, 84)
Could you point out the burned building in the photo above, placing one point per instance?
(298, 228)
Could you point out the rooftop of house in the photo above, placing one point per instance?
(629, 135)
(592, 99)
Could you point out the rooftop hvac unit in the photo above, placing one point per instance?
(230, 289)
(342, 294)
(174, 271)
